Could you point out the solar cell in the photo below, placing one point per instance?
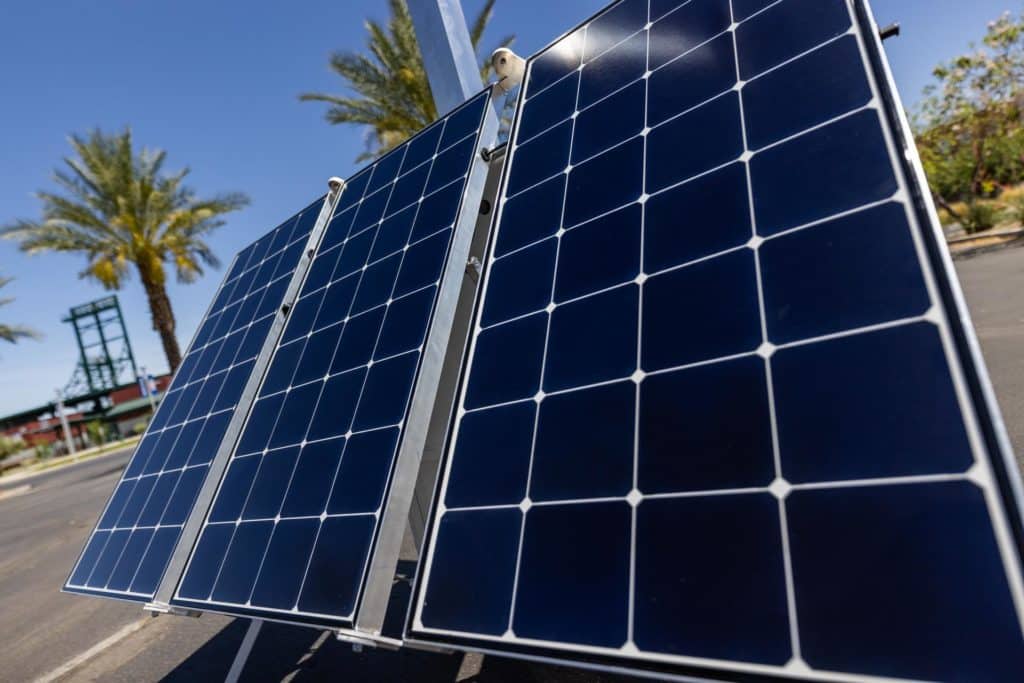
(293, 525)
(130, 548)
(720, 415)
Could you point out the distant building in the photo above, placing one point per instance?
(122, 409)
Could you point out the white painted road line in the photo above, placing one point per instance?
(96, 649)
(16, 491)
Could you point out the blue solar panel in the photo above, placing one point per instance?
(292, 526)
(720, 416)
(130, 548)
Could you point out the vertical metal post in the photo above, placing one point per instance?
(448, 54)
(144, 385)
(454, 75)
(68, 441)
(237, 666)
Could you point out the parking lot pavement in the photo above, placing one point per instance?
(993, 284)
(42, 531)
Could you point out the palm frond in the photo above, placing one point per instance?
(119, 207)
(12, 333)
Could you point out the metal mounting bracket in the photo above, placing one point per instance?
(890, 31)
(359, 642)
(474, 268)
(159, 608)
(426, 647)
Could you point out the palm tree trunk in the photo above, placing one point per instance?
(163, 318)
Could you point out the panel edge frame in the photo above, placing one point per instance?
(371, 607)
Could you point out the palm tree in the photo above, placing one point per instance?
(121, 211)
(12, 333)
(393, 95)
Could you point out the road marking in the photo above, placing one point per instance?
(96, 649)
(16, 491)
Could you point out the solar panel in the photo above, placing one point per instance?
(294, 522)
(721, 416)
(130, 548)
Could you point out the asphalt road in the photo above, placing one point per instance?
(44, 522)
(993, 284)
(41, 533)
(43, 528)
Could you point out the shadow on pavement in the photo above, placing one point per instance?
(299, 654)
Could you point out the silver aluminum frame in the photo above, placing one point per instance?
(448, 389)
(967, 349)
(454, 76)
(190, 531)
(373, 601)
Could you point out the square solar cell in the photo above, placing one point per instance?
(127, 553)
(293, 524)
(720, 417)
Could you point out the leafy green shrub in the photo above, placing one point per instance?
(979, 216)
(9, 445)
(969, 126)
(1015, 210)
(97, 433)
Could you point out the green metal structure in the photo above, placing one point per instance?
(105, 354)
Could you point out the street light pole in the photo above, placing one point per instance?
(68, 441)
(147, 388)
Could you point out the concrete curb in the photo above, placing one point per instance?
(66, 461)
(984, 240)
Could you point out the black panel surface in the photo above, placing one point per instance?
(719, 416)
(290, 530)
(127, 553)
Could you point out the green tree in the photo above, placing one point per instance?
(12, 333)
(97, 433)
(122, 211)
(968, 128)
(9, 445)
(391, 92)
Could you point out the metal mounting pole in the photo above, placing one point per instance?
(448, 54)
(235, 672)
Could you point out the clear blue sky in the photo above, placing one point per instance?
(215, 84)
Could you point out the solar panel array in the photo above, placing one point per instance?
(713, 417)
(127, 553)
(291, 528)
